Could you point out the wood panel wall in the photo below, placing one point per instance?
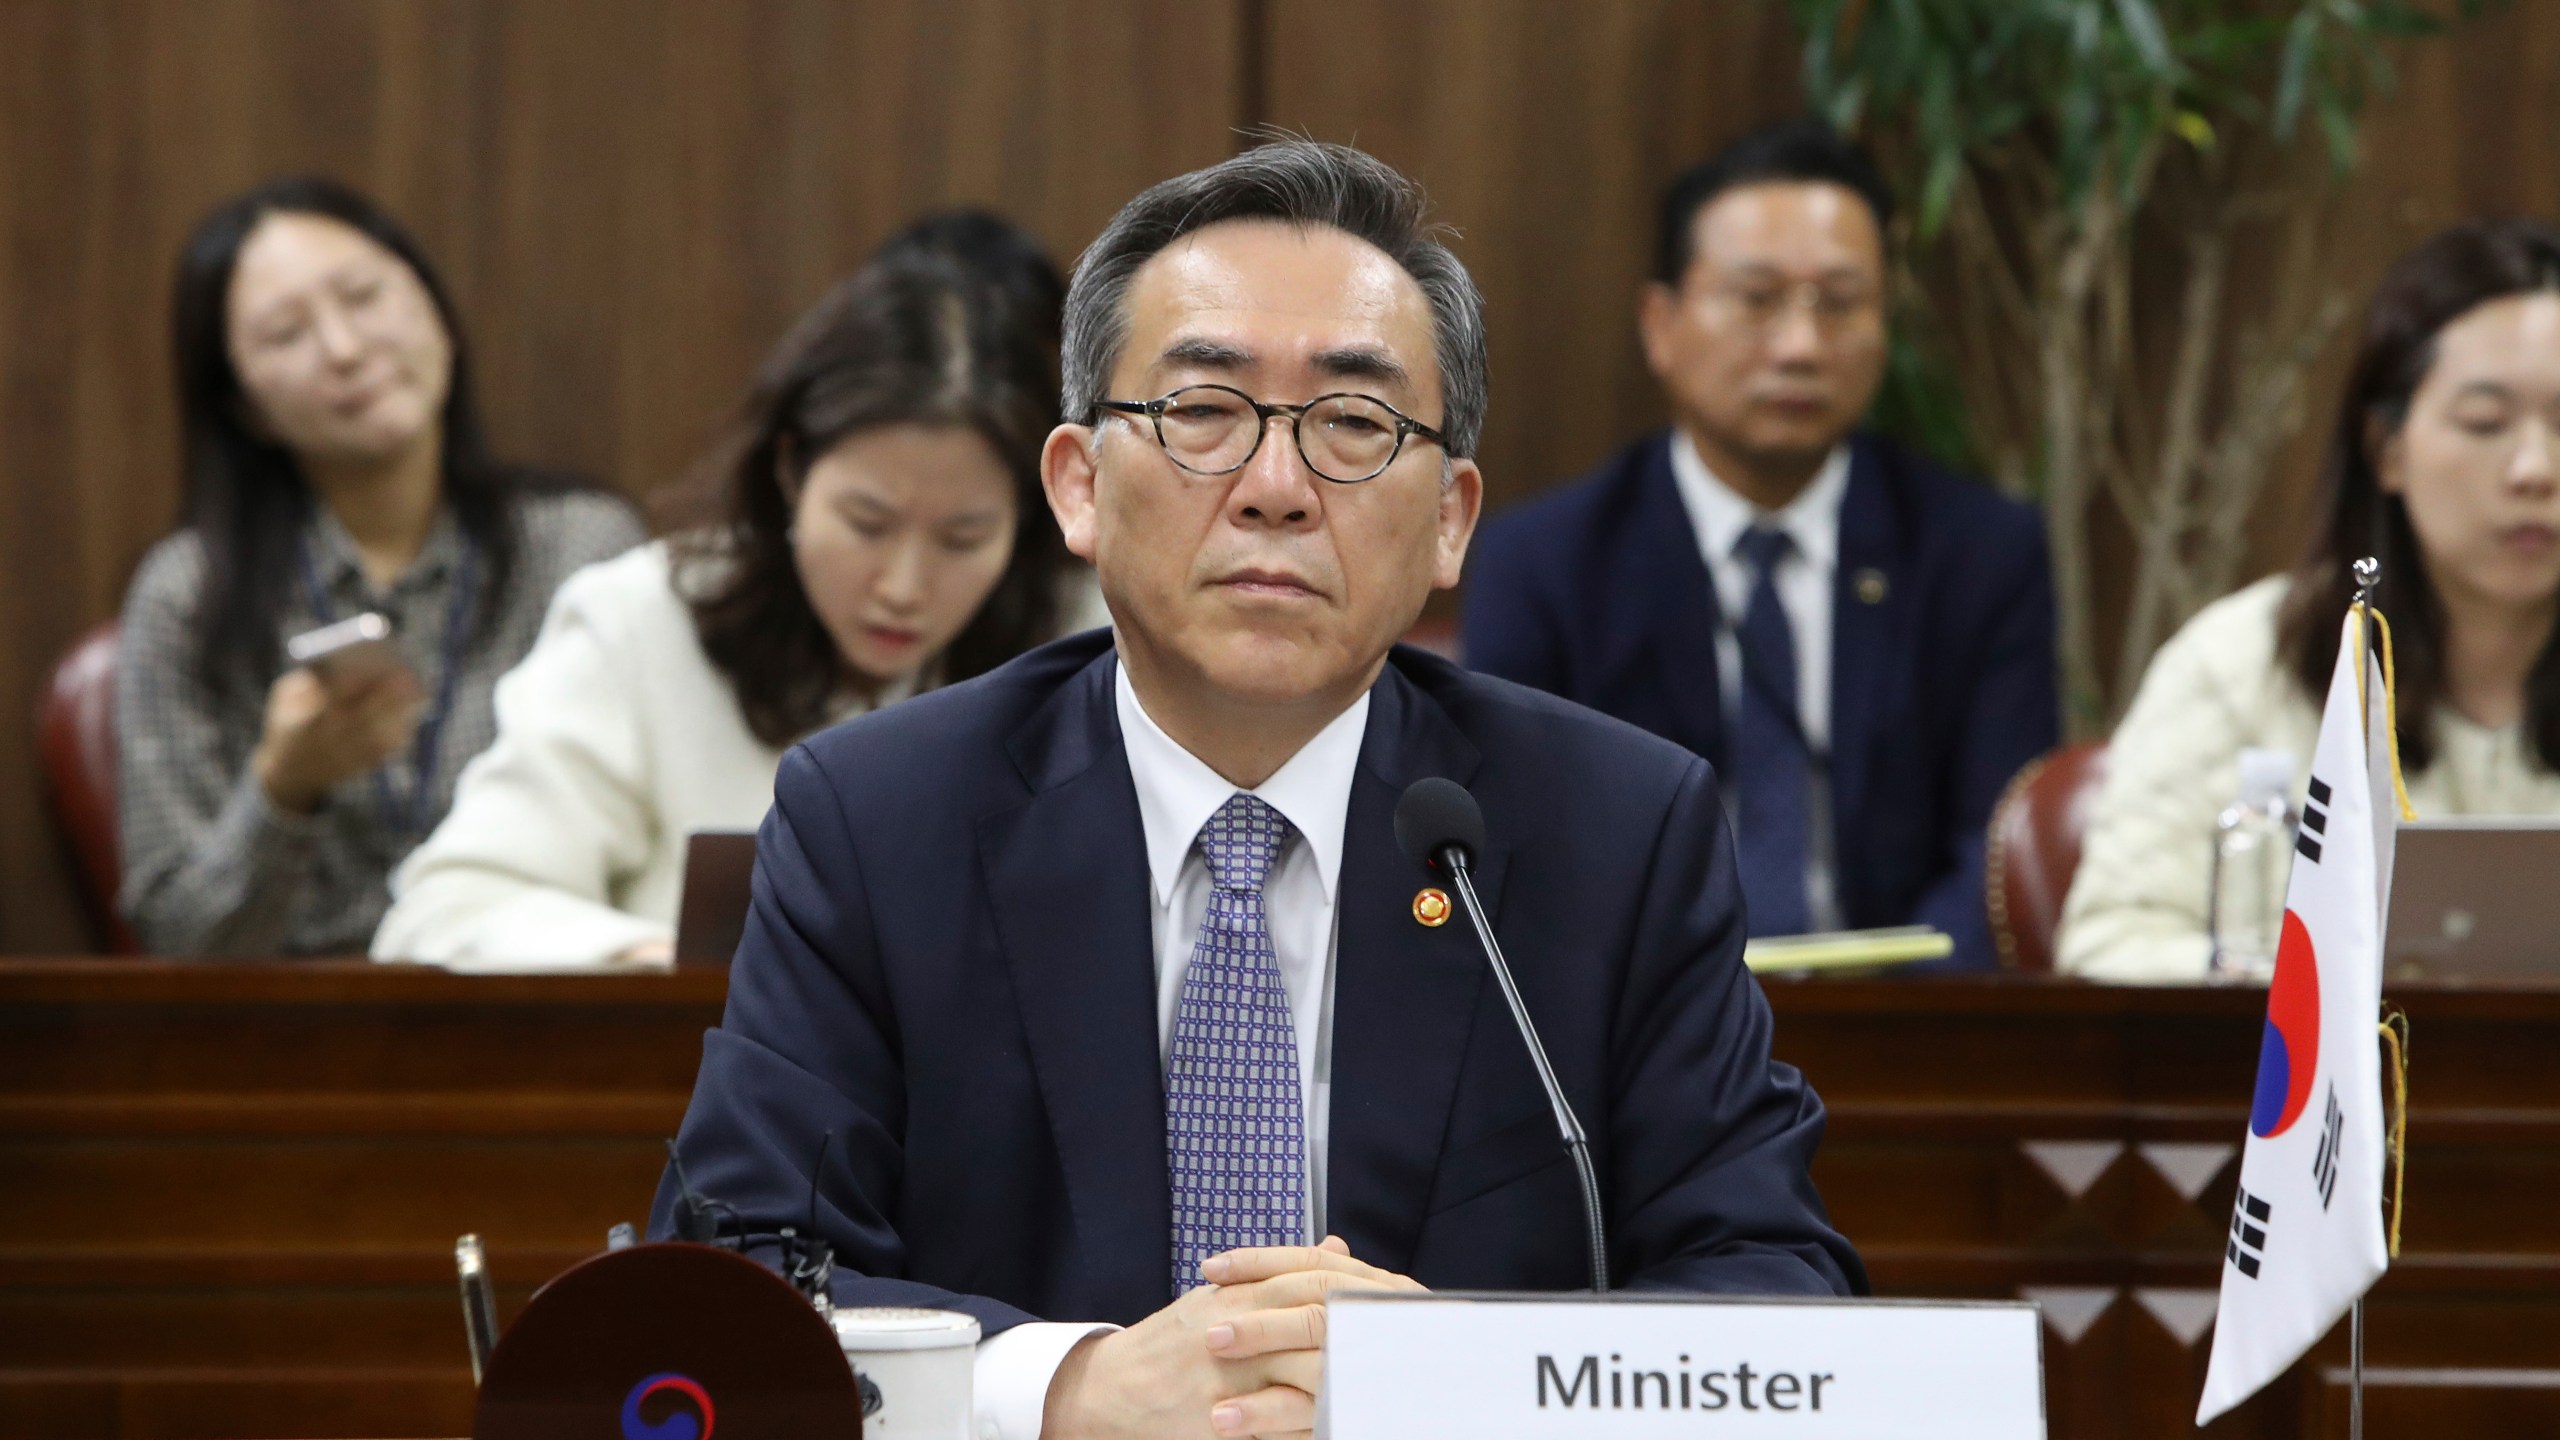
(631, 198)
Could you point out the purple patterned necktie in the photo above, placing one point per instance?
(1234, 1129)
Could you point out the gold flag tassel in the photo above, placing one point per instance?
(2395, 1021)
(2390, 702)
(2395, 1040)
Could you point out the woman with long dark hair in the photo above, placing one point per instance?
(335, 468)
(878, 528)
(2444, 463)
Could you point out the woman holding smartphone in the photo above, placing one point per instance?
(876, 528)
(335, 469)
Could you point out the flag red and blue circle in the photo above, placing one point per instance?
(676, 1424)
(2289, 1056)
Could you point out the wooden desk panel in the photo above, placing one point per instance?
(2080, 1145)
(228, 1193)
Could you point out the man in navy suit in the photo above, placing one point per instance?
(1104, 972)
(1861, 641)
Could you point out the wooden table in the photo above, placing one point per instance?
(229, 1193)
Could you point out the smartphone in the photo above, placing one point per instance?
(349, 654)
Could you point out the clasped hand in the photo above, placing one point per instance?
(315, 737)
(1240, 1356)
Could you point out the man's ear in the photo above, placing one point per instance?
(1461, 505)
(1656, 313)
(1067, 475)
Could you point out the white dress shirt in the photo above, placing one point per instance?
(1806, 581)
(1177, 794)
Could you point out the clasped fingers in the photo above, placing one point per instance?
(1265, 1332)
(1276, 1412)
(1307, 1287)
(1244, 1267)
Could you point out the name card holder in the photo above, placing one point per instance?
(1662, 1365)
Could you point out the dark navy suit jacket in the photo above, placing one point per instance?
(1942, 655)
(948, 968)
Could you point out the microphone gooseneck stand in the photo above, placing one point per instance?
(1453, 859)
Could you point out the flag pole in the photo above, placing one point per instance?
(2355, 1371)
(2368, 573)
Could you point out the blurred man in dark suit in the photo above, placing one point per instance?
(1105, 971)
(1860, 641)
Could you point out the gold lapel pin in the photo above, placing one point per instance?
(1871, 587)
(1431, 907)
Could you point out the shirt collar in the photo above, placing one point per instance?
(1720, 515)
(1177, 793)
(339, 563)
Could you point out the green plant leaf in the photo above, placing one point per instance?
(1919, 402)
(2339, 125)
(1946, 169)
(2229, 43)
(2293, 73)
(2396, 21)
(1850, 110)
(1999, 119)
(2142, 26)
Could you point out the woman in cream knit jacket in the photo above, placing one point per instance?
(883, 527)
(2445, 463)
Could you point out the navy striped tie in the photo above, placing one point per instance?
(1772, 774)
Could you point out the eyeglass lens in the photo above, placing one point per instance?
(1213, 430)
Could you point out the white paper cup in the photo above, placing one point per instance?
(916, 1369)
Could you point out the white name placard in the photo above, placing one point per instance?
(1396, 1367)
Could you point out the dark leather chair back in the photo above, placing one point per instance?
(2035, 849)
(76, 738)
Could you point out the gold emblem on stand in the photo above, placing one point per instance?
(1431, 907)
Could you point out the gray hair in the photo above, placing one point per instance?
(1299, 182)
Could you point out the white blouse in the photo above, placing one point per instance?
(2137, 905)
(617, 740)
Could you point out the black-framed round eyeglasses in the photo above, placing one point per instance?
(1215, 430)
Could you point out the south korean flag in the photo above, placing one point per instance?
(2306, 1233)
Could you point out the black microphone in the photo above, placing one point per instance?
(1440, 825)
(697, 1218)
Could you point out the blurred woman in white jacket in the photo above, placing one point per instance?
(2444, 463)
(878, 527)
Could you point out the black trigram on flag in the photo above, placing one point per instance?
(2333, 1134)
(2315, 822)
(2248, 1242)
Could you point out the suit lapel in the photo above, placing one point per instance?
(1405, 995)
(1868, 596)
(1664, 603)
(1066, 876)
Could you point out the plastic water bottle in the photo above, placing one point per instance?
(2252, 860)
